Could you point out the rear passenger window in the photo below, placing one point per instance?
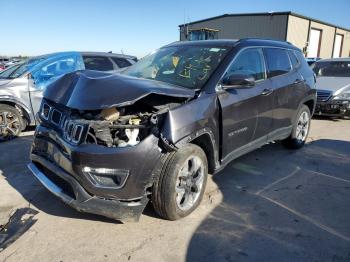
(249, 62)
(99, 63)
(121, 62)
(293, 59)
(277, 61)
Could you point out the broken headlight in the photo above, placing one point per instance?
(342, 96)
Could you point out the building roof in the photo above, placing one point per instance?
(266, 14)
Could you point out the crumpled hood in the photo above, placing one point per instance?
(93, 90)
(334, 84)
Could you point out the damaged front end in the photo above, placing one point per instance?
(102, 160)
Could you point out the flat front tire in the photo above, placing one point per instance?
(300, 130)
(181, 184)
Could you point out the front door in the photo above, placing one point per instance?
(245, 109)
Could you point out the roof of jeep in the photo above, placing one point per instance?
(232, 42)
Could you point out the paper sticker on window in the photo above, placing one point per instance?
(214, 49)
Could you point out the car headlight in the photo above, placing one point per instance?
(342, 96)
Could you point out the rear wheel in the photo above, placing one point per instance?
(180, 187)
(11, 122)
(300, 129)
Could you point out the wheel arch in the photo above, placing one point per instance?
(311, 105)
(204, 138)
(26, 112)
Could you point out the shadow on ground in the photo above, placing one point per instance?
(280, 205)
(16, 152)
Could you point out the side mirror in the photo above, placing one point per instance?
(238, 81)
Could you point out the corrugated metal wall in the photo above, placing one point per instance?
(235, 27)
(274, 27)
(346, 42)
(298, 35)
(297, 31)
(327, 39)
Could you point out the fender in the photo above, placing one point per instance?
(191, 120)
(310, 96)
(214, 145)
(14, 100)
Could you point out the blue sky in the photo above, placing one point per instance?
(33, 27)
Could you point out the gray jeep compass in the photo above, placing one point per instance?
(110, 143)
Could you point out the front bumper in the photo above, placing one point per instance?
(333, 108)
(82, 200)
(58, 165)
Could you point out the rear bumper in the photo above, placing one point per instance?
(81, 200)
(333, 108)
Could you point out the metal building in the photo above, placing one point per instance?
(316, 38)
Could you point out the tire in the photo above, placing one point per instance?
(181, 183)
(11, 122)
(300, 130)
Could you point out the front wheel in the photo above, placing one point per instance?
(180, 186)
(300, 129)
(11, 123)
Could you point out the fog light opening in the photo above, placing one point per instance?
(107, 177)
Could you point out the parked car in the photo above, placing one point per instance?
(333, 86)
(107, 144)
(312, 60)
(22, 85)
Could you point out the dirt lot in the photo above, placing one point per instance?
(270, 205)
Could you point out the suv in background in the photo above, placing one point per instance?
(22, 85)
(107, 144)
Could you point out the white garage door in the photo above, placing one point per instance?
(338, 45)
(314, 42)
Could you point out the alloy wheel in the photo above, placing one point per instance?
(303, 126)
(189, 183)
(10, 125)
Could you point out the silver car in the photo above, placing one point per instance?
(333, 86)
(22, 85)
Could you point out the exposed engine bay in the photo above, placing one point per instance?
(127, 126)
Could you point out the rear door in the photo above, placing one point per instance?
(287, 85)
(242, 107)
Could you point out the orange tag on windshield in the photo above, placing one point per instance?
(175, 60)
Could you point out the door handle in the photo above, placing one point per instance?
(266, 92)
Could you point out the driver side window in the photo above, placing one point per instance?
(249, 62)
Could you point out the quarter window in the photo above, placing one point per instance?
(121, 62)
(249, 62)
(99, 63)
(293, 59)
(277, 61)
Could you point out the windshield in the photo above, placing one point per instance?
(19, 69)
(186, 66)
(333, 68)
